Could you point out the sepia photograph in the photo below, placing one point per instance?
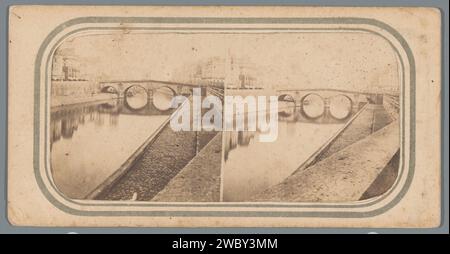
(217, 116)
(111, 103)
(336, 139)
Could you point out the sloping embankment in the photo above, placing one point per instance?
(373, 118)
(198, 181)
(158, 163)
(343, 176)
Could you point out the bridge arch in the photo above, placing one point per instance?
(168, 87)
(286, 105)
(139, 103)
(110, 89)
(312, 111)
(286, 97)
(109, 104)
(339, 113)
(162, 97)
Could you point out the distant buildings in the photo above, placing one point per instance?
(66, 66)
(234, 73)
(68, 77)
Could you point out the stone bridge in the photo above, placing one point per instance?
(322, 105)
(121, 87)
(119, 106)
(152, 90)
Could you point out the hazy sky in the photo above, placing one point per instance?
(340, 60)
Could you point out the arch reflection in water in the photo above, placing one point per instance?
(313, 105)
(162, 98)
(233, 139)
(340, 106)
(136, 97)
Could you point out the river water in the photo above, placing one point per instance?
(251, 166)
(90, 141)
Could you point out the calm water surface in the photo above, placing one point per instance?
(91, 141)
(251, 166)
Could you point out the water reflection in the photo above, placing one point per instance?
(340, 106)
(89, 142)
(163, 98)
(136, 97)
(251, 166)
(313, 105)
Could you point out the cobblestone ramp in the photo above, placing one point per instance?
(199, 181)
(159, 163)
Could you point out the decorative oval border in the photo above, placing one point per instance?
(271, 21)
